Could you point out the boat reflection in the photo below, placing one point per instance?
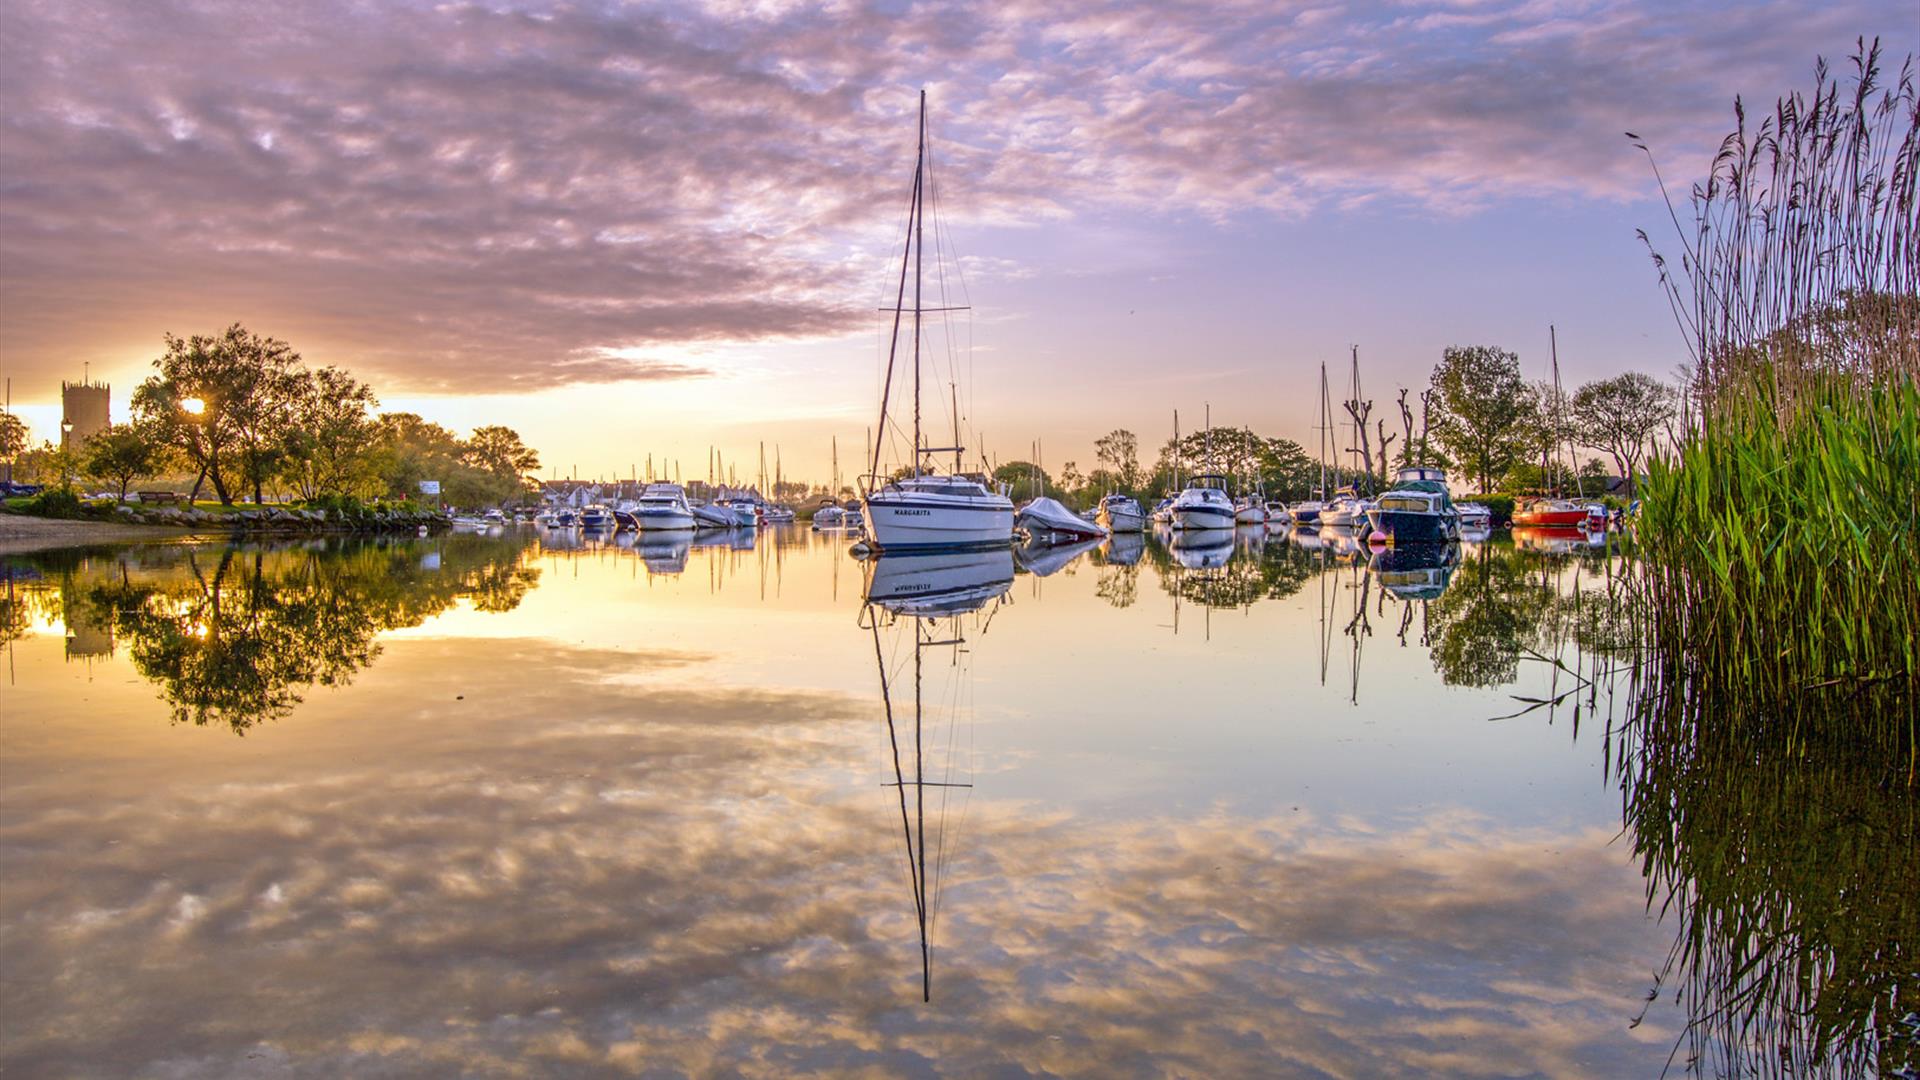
(1041, 560)
(1557, 541)
(1202, 549)
(662, 551)
(938, 583)
(1124, 549)
(1415, 572)
(922, 603)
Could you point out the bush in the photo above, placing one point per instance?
(54, 503)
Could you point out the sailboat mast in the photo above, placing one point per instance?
(919, 255)
(899, 296)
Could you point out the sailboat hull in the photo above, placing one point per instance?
(910, 521)
(1121, 520)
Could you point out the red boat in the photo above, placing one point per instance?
(1551, 512)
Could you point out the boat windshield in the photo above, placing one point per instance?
(943, 485)
(1414, 503)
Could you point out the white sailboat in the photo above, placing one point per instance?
(925, 509)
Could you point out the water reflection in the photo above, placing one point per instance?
(921, 603)
(234, 635)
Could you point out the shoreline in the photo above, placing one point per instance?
(20, 533)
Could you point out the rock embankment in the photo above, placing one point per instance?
(284, 520)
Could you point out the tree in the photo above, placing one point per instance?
(1546, 433)
(1481, 402)
(1120, 450)
(1025, 479)
(330, 441)
(13, 439)
(411, 450)
(221, 401)
(122, 454)
(1621, 415)
(499, 450)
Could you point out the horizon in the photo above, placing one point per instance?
(655, 229)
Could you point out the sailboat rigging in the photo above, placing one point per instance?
(924, 509)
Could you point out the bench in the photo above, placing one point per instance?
(146, 497)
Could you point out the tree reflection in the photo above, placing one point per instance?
(1247, 572)
(1489, 615)
(233, 636)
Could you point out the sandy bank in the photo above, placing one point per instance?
(19, 533)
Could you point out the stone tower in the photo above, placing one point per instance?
(83, 411)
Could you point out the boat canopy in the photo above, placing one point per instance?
(1422, 472)
(1208, 480)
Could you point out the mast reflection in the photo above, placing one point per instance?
(928, 596)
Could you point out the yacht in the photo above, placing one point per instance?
(1119, 513)
(1278, 514)
(1474, 516)
(925, 509)
(1203, 504)
(1417, 509)
(1250, 510)
(829, 517)
(745, 513)
(594, 516)
(1306, 512)
(663, 507)
(1163, 511)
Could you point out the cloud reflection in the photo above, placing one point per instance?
(671, 879)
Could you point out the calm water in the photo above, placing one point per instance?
(475, 805)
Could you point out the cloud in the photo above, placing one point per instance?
(679, 878)
(474, 198)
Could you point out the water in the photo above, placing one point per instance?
(475, 805)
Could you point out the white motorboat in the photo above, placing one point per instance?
(745, 513)
(1278, 514)
(1119, 513)
(1047, 521)
(829, 517)
(1203, 504)
(1250, 510)
(1306, 512)
(663, 508)
(594, 517)
(925, 509)
(1163, 511)
(1347, 511)
(1474, 516)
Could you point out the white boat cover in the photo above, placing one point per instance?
(1049, 516)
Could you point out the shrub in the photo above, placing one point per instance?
(54, 503)
(1501, 505)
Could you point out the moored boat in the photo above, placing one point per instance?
(1047, 521)
(1551, 513)
(663, 507)
(595, 517)
(1417, 509)
(1120, 513)
(1203, 504)
(1250, 510)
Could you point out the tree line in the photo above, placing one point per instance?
(243, 414)
(1477, 416)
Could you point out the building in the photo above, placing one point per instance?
(83, 411)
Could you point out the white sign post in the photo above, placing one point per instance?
(429, 487)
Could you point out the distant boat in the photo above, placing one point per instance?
(663, 508)
(1203, 504)
(1417, 509)
(1121, 513)
(925, 509)
(1474, 516)
(1278, 514)
(829, 517)
(1163, 511)
(1047, 521)
(1250, 510)
(1347, 511)
(1562, 513)
(1306, 512)
(594, 517)
(746, 513)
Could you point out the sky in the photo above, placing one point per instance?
(633, 230)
